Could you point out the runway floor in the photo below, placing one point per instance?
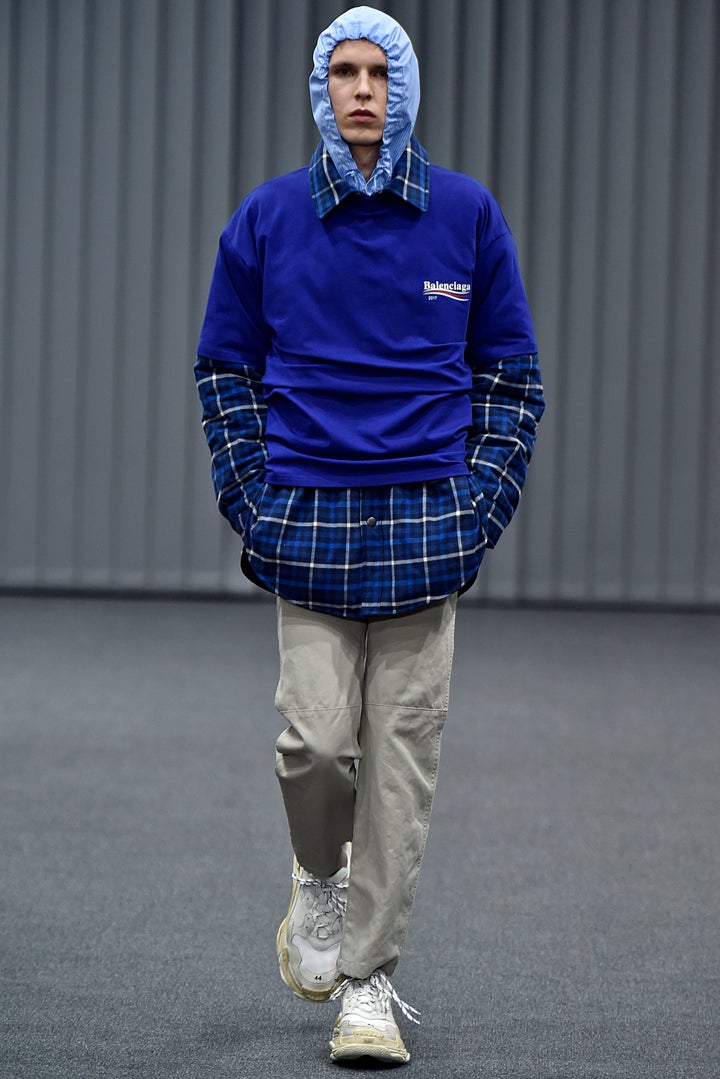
(567, 924)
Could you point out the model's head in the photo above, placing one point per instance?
(365, 92)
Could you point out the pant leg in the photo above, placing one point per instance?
(407, 678)
(320, 695)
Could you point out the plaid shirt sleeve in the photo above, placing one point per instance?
(507, 404)
(233, 418)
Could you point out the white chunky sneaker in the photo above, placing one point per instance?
(366, 1025)
(308, 940)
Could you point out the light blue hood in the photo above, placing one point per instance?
(403, 93)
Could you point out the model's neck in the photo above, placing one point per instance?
(366, 158)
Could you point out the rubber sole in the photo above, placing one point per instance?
(367, 1043)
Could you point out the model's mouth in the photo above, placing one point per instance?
(362, 114)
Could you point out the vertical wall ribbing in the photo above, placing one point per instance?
(9, 190)
(707, 525)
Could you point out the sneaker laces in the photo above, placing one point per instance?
(377, 985)
(328, 902)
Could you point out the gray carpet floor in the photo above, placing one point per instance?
(567, 924)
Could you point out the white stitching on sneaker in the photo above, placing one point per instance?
(378, 984)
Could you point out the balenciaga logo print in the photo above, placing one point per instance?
(451, 290)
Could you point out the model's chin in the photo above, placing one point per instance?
(361, 138)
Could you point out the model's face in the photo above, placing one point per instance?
(358, 88)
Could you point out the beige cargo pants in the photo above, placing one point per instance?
(365, 704)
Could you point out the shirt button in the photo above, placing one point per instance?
(371, 522)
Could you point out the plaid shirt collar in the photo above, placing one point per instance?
(410, 179)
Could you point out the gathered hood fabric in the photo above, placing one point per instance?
(403, 93)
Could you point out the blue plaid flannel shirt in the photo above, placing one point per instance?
(375, 551)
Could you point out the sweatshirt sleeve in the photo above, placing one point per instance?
(233, 344)
(506, 394)
(234, 330)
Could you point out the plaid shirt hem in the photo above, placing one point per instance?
(369, 551)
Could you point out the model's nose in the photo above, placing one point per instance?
(363, 87)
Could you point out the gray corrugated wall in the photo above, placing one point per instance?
(129, 129)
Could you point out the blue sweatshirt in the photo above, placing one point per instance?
(365, 325)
